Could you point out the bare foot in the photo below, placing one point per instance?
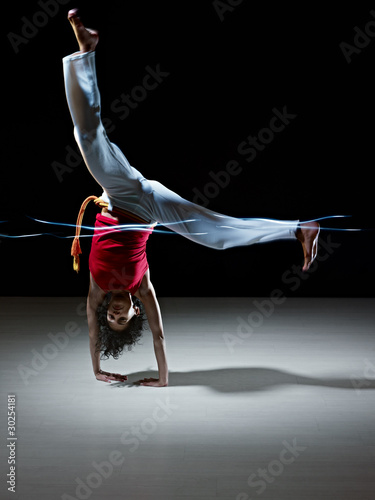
(87, 39)
(308, 234)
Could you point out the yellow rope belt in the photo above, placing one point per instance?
(76, 247)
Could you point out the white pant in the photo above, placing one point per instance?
(126, 188)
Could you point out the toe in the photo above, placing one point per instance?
(74, 18)
(72, 13)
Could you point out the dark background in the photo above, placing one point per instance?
(225, 78)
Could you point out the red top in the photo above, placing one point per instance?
(118, 258)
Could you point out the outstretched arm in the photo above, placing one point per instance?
(148, 296)
(94, 299)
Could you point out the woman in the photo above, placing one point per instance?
(118, 264)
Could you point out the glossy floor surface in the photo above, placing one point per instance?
(268, 400)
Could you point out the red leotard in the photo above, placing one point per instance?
(118, 258)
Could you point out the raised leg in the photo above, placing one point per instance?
(220, 232)
(105, 161)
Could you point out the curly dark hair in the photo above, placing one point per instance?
(111, 343)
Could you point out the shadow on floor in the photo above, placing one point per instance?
(249, 380)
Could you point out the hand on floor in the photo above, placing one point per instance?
(107, 377)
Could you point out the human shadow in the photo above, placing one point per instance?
(249, 379)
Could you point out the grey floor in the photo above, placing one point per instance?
(266, 401)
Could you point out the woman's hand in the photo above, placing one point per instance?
(152, 382)
(107, 377)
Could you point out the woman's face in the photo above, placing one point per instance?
(120, 310)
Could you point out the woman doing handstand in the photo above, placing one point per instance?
(120, 288)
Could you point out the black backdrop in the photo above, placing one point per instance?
(224, 67)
